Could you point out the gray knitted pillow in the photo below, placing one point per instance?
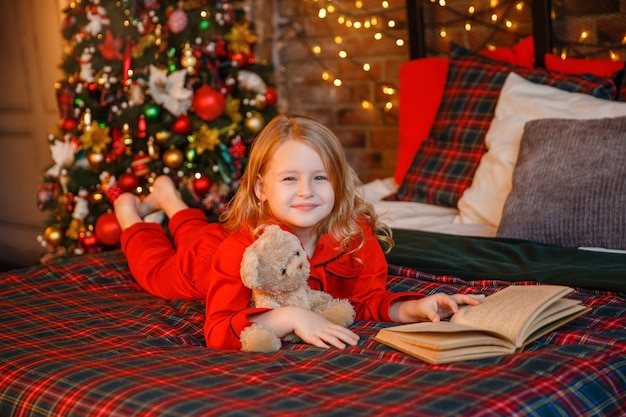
(569, 184)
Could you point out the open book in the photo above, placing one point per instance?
(502, 324)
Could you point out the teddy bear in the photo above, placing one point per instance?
(276, 269)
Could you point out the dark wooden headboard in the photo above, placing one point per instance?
(541, 21)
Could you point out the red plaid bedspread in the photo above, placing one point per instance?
(80, 338)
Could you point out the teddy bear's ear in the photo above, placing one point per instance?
(271, 231)
(249, 270)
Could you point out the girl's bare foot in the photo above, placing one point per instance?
(127, 210)
(130, 209)
(164, 196)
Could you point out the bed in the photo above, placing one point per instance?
(80, 338)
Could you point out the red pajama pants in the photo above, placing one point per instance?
(176, 268)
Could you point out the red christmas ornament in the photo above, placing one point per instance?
(128, 182)
(208, 103)
(201, 184)
(140, 165)
(88, 240)
(271, 96)
(108, 230)
(68, 124)
(182, 125)
(142, 125)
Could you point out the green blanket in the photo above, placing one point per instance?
(475, 258)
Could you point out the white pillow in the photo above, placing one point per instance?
(520, 101)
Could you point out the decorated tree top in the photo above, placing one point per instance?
(151, 87)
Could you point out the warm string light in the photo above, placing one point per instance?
(353, 16)
(583, 40)
(350, 15)
(613, 51)
(583, 35)
(499, 15)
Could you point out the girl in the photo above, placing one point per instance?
(297, 176)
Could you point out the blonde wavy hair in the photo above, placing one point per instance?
(245, 210)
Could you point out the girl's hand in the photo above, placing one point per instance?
(308, 326)
(432, 308)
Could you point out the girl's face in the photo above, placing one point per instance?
(296, 187)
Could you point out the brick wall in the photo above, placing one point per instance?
(604, 20)
(288, 29)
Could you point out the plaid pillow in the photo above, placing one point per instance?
(444, 165)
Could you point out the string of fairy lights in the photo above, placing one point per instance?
(489, 16)
(345, 16)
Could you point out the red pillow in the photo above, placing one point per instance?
(521, 54)
(599, 67)
(421, 88)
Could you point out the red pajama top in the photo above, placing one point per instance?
(336, 272)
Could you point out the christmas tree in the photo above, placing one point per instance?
(150, 87)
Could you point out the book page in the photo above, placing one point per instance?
(560, 308)
(447, 342)
(508, 311)
(557, 321)
(446, 356)
(441, 336)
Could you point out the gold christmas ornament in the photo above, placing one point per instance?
(173, 158)
(95, 158)
(163, 136)
(254, 121)
(53, 235)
